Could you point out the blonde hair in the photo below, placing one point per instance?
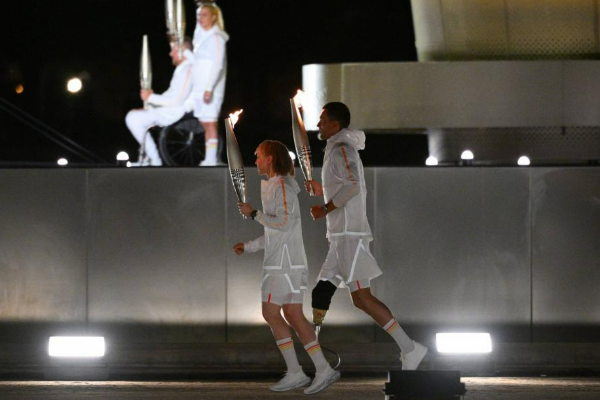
(216, 11)
(282, 162)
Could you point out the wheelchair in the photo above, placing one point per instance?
(181, 144)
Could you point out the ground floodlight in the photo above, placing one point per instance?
(523, 160)
(431, 161)
(122, 156)
(74, 85)
(464, 343)
(62, 162)
(76, 346)
(292, 156)
(467, 155)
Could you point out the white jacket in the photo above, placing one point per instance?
(344, 183)
(179, 89)
(210, 61)
(282, 240)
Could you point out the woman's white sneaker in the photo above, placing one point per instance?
(291, 381)
(323, 380)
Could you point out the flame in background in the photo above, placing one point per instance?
(235, 117)
(299, 98)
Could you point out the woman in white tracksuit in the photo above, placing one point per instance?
(285, 271)
(210, 69)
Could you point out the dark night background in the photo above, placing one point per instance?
(47, 42)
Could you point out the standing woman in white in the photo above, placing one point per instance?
(210, 69)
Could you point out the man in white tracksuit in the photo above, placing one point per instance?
(210, 70)
(285, 271)
(163, 109)
(349, 259)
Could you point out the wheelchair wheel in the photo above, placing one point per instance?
(182, 144)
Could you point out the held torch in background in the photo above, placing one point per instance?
(145, 68)
(301, 138)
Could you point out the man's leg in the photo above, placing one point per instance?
(364, 300)
(139, 122)
(412, 352)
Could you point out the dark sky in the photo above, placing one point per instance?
(45, 42)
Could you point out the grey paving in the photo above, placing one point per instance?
(348, 389)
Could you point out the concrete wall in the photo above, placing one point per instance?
(459, 94)
(143, 255)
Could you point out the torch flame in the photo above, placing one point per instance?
(235, 117)
(299, 98)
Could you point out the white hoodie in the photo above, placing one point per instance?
(344, 183)
(180, 88)
(282, 241)
(210, 63)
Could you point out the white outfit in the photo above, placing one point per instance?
(349, 258)
(164, 109)
(285, 269)
(210, 69)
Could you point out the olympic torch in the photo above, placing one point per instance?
(180, 25)
(234, 158)
(145, 68)
(301, 138)
(170, 17)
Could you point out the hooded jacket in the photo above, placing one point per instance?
(180, 87)
(344, 184)
(282, 239)
(210, 63)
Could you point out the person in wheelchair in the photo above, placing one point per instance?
(163, 109)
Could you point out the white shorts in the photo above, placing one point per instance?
(283, 289)
(350, 261)
(208, 112)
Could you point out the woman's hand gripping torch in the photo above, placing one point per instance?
(234, 158)
(301, 141)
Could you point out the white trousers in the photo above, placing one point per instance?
(139, 121)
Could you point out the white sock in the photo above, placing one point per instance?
(211, 150)
(398, 334)
(316, 354)
(286, 346)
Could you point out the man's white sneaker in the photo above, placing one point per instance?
(291, 381)
(412, 359)
(208, 163)
(323, 380)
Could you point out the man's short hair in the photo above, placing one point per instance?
(338, 112)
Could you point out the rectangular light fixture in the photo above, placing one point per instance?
(76, 346)
(464, 343)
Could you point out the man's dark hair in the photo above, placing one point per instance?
(338, 112)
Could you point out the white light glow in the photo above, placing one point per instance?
(293, 155)
(128, 165)
(431, 161)
(62, 162)
(467, 155)
(524, 160)
(74, 85)
(122, 156)
(464, 343)
(73, 346)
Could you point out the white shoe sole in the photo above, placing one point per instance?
(298, 385)
(333, 379)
